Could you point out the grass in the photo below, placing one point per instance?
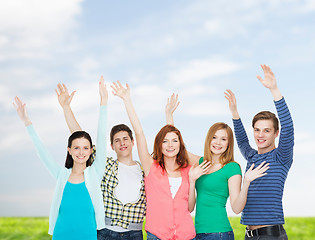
(24, 228)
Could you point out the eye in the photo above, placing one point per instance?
(214, 137)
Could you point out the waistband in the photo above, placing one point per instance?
(273, 230)
(131, 226)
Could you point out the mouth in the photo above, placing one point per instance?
(170, 150)
(261, 140)
(217, 147)
(122, 148)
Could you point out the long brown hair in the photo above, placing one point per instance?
(182, 156)
(228, 155)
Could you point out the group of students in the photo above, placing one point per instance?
(105, 198)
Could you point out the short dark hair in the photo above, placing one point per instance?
(119, 128)
(73, 136)
(266, 115)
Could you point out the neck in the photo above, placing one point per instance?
(78, 168)
(126, 160)
(265, 150)
(215, 158)
(170, 163)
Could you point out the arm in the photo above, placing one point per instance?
(100, 159)
(195, 172)
(64, 100)
(144, 155)
(171, 106)
(286, 139)
(43, 153)
(238, 195)
(240, 133)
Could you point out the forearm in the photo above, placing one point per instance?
(239, 203)
(276, 94)
(100, 159)
(42, 152)
(191, 196)
(72, 123)
(235, 115)
(132, 115)
(169, 118)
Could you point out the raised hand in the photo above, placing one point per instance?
(269, 80)
(197, 171)
(120, 91)
(172, 104)
(253, 173)
(21, 110)
(103, 91)
(64, 98)
(229, 95)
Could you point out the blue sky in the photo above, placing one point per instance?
(194, 48)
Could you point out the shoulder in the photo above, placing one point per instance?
(233, 168)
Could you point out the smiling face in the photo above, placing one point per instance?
(122, 144)
(219, 142)
(80, 150)
(170, 145)
(265, 135)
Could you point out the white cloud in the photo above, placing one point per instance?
(35, 25)
(200, 69)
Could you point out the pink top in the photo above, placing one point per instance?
(168, 218)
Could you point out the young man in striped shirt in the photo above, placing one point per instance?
(263, 213)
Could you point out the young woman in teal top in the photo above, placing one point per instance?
(77, 209)
(222, 179)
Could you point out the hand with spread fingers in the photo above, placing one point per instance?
(197, 171)
(64, 98)
(253, 173)
(229, 95)
(120, 91)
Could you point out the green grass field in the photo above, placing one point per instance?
(37, 228)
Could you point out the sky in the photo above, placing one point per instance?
(197, 49)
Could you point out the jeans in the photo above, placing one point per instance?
(106, 234)
(283, 236)
(150, 236)
(216, 236)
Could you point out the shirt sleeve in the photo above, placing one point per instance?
(233, 168)
(100, 158)
(53, 167)
(286, 139)
(242, 139)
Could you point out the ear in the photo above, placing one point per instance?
(69, 150)
(112, 147)
(276, 134)
(133, 142)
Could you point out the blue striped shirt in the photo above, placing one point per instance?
(264, 199)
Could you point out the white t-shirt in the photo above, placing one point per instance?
(128, 188)
(175, 183)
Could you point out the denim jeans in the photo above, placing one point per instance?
(283, 236)
(150, 236)
(106, 234)
(216, 236)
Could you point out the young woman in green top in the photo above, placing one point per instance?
(223, 179)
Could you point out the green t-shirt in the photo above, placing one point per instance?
(212, 194)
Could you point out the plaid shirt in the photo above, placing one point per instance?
(121, 215)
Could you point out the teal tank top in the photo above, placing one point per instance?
(76, 218)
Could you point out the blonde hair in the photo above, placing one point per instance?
(228, 155)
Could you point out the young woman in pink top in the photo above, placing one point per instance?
(170, 196)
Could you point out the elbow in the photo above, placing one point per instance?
(190, 209)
